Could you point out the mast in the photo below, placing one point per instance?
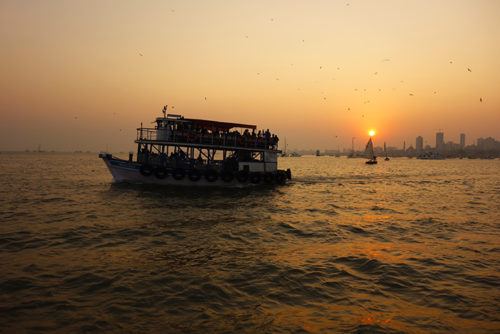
(165, 111)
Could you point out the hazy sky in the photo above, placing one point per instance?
(83, 75)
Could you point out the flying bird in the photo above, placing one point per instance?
(468, 69)
(140, 54)
(480, 99)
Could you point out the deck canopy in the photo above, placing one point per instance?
(217, 126)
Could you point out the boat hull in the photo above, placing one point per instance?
(130, 172)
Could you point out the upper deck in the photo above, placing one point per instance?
(177, 130)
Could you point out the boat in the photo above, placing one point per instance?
(370, 153)
(195, 152)
(385, 151)
(430, 156)
(285, 154)
(353, 153)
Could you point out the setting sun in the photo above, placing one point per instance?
(371, 133)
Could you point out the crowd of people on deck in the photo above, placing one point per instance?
(187, 133)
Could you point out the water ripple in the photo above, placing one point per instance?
(405, 247)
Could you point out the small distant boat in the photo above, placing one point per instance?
(430, 156)
(370, 153)
(290, 155)
(284, 154)
(385, 151)
(353, 153)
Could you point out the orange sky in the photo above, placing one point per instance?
(82, 75)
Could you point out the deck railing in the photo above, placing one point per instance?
(192, 137)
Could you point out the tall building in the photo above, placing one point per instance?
(419, 145)
(439, 141)
(462, 140)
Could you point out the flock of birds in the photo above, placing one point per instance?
(338, 68)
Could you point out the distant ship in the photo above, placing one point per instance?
(385, 152)
(291, 155)
(195, 152)
(430, 156)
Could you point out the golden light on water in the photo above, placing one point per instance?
(371, 133)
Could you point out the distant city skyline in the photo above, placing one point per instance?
(487, 147)
(424, 144)
(440, 141)
(419, 144)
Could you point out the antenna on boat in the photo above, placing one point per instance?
(165, 111)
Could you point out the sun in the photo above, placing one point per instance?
(371, 133)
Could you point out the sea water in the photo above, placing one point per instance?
(405, 246)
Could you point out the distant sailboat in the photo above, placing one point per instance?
(370, 154)
(353, 153)
(385, 151)
(284, 154)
